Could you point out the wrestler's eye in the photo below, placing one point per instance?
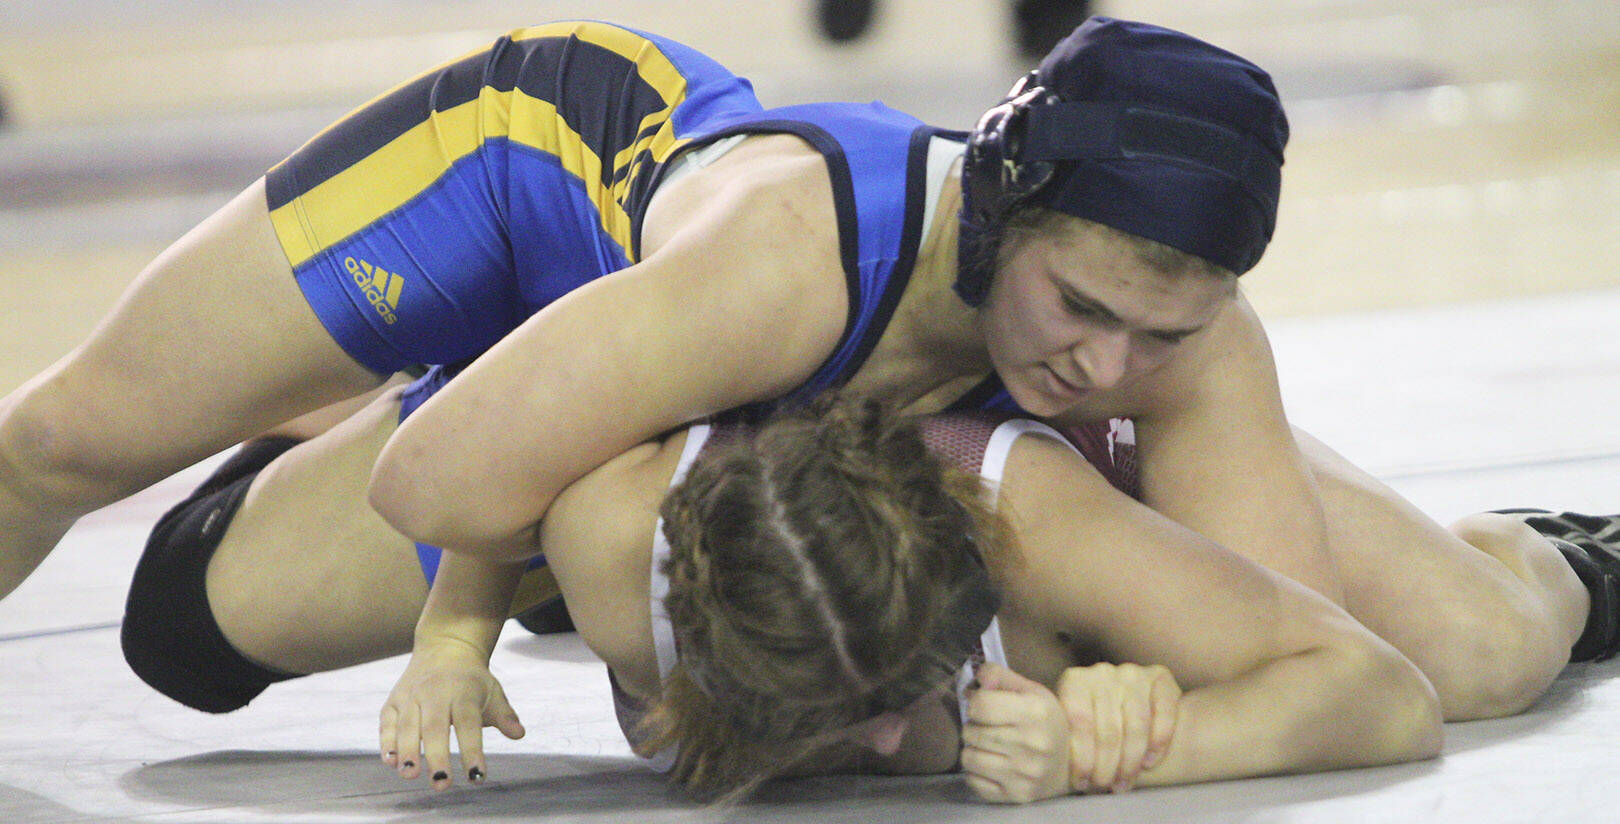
(1169, 338)
(1082, 308)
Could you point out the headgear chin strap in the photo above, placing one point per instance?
(1131, 144)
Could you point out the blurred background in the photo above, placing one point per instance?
(1443, 150)
(1441, 295)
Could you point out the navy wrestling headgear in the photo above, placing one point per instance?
(1147, 130)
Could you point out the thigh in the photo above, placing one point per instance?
(213, 343)
(308, 578)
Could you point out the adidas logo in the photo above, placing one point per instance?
(380, 286)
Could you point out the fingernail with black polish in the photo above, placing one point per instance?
(475, 775)
(408, 764)
(441, 775)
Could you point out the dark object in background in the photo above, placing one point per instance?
(1037, 24)
(844, 20)
(547, 617)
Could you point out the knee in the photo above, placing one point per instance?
(1491, 532)
(170, 635)
(1500, 658)
(51, 452)
(1509, 540)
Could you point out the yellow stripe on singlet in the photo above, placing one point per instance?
(397, 172)
(656, 70)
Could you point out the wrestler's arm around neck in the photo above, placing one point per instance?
(742, 299)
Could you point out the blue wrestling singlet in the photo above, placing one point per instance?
(434, 220)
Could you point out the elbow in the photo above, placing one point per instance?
(1400, 713)
(397, 492)
(427, 508)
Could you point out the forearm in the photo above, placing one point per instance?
(1329, 707)
(468, 603)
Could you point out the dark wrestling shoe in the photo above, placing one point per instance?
(1593, 533)
(547, 617)
(1591, 545)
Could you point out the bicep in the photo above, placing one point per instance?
(1099, 565)
(731, 314)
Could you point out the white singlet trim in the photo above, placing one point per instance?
(943, 153)
(690, 162)
(992, 469)
(664, 632)
(1001, 444)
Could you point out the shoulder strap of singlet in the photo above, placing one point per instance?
(877, 160)
(993, 468)
(663, 632)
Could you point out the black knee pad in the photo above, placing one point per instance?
(169, 635)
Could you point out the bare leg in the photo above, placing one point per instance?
(212, 344)
(308, 578)
(1488, 610)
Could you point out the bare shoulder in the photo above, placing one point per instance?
(1229, 365)
(1095, 563)
(1047, 491)
(1046, 472)
(768, 182)
(755, 236)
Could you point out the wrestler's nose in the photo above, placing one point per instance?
(1103, 358)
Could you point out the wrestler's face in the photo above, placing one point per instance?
(1074, 310)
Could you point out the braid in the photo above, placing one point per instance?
(821, 572)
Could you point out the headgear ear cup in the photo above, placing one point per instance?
(993, 184)
(1133, 126)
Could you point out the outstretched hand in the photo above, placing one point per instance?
(446, 685)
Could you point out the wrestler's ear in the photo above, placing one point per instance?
(884, 733)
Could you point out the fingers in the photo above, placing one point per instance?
(386, 731)
(996, 677)
(1121, 721)
(1107, 724)
(469, 724)
(408, 741)
(1136, 720)
(502, 717)
(1000, 779)
(983, 769)
(993, 708)
(1015, 744)
(436, 748)
(1166, 702)
(1109, 730)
